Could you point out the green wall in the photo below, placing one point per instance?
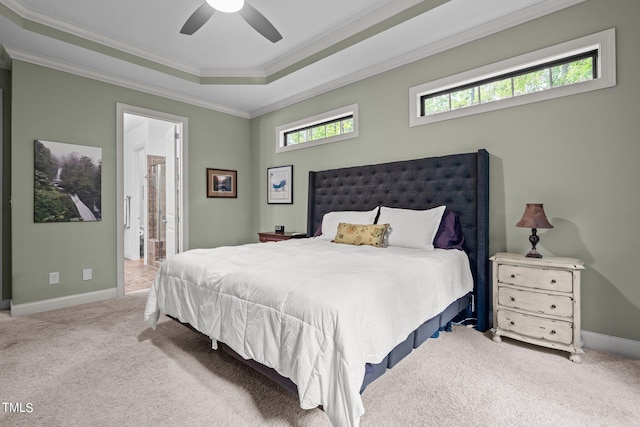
(57, 106)
(577, 155)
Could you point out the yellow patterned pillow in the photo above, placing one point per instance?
(357, 234)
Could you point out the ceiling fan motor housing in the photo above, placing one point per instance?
(228, 6)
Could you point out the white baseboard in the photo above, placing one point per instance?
(5, 304)
(62, 302)
(611, 344)
(594, 340)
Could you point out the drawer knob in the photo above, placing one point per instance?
(513, 276)
(553, 306)
(553, 332)
(553, 281)
(512, 322)
(512, 299)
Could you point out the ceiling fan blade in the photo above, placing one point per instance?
(197, 19)
(260, 23)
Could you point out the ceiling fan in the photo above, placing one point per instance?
(254, 18)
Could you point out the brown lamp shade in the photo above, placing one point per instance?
(534, 217)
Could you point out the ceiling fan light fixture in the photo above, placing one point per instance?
(228, 6)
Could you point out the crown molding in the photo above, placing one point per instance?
(489, 28)
(16, 7)
(324, 45)
(122, 82)
(29, 17)
(5, 59)
(329, 43)
(339, 33)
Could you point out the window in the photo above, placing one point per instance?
(575, 69)
(328, 129)
(577, 66)
(331, 126)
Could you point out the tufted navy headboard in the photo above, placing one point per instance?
(459, 181)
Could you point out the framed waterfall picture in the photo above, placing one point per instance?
(280, 185)
(67, 183)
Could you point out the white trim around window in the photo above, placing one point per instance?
(603, 42)
(329, 116)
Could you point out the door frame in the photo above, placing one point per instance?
(5, 304)
(183, 200)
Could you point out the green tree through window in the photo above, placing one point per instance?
(567, 71)
(320, 131)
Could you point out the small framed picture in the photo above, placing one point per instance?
(222, 183)
(280, 185)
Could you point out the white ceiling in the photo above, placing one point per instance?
(229, 67)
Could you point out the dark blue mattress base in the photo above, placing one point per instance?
(269, 372)
(430, 328)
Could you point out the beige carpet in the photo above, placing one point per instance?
(99, 365)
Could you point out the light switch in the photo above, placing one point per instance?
(54, 278)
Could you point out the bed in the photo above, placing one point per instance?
(325, 319)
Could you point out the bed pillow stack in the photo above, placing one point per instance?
(417, 229)
(410, 228)
(331, 221)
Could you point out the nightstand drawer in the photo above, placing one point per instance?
(536, 327)
(540, 278)
(536, 302)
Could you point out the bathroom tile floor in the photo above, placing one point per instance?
(137, 276)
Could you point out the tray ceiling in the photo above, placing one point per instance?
(226, 65)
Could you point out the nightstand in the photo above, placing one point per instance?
(537, 300)
(272, 236)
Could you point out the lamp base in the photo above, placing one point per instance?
(534, 239)
(533, 254)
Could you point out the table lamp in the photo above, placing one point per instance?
(534, 218)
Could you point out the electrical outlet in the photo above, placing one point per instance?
(87, 273)
(54, 278)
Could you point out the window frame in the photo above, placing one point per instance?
(605, 76)
(309, 122)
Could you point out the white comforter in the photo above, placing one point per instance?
(315, 311)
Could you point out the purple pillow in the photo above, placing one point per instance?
(449, 235)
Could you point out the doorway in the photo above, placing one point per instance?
(151, 155)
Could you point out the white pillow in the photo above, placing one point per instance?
(331, 220)
(411, 228)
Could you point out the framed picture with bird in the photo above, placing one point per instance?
(280, 185)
